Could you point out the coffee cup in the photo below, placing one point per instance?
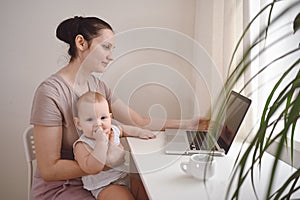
(199, 166)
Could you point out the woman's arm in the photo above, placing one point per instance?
(126, 115)
(48, 141)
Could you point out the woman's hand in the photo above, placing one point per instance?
(145, 134)
(198, 123)
(134, 131)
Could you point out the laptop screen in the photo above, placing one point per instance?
(235, 111)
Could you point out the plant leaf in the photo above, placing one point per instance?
(297, 23)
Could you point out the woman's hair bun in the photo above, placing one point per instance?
(68, 29)
(88, 27)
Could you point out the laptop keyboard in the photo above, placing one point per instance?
(197, 139)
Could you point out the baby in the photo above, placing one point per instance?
(98, 150)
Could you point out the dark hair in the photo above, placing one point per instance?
(88, 27)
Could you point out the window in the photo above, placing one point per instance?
(275, 47)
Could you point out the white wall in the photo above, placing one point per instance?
(30, 53)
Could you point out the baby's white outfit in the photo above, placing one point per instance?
(97, 182)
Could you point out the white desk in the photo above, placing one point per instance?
(163, 178)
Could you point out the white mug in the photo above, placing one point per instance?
(199, 166)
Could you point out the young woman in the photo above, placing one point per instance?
(58, 175)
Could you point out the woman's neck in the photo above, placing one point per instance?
(75, 76)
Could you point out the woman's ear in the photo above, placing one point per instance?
(81, 43)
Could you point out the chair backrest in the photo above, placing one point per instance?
(28, 140)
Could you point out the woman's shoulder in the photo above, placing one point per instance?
(54, 84)
(52, 80)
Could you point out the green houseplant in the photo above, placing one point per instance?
(282, 105)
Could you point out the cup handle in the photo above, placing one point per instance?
(183, 166)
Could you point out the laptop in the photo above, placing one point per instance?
(180, 141)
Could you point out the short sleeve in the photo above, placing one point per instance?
(45, 108)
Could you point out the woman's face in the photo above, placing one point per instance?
(99, 54)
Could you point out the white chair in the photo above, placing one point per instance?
(28, 140)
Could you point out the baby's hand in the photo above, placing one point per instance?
(111, 138)
(99, 135)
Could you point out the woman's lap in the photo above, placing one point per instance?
(60, 190)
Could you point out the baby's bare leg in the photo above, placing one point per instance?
(115, 192)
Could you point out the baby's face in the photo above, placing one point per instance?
(92, 116)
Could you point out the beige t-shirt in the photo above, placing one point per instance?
(54, 103)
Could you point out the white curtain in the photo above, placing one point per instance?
(218, 26)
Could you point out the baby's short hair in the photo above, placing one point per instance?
(90, 97)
